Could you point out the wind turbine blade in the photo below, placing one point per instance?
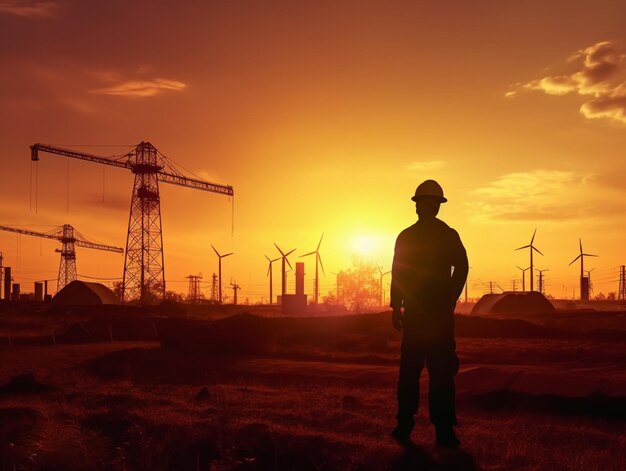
(306, 254)
(215, 250)
(536, 250)
(580, 241)
(226, 255)
(589, 255)
(281, 252)
(319, 243)
(290, 252)
(275, 260)
(319, 257)
(269, 267)
(387, 272)
(287, 260)
(524, 247)
(533, 237)
(519, 267)
(268, 259)
(575, 259)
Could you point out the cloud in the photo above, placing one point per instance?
(425, 165)
(598, 74)
(612, 106)
(29, 8)
(546, 195)
(143, 88)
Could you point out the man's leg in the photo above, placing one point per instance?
(411, 364)
(442, 366)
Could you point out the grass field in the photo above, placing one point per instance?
(318, 394)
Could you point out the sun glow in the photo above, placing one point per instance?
(363, 244)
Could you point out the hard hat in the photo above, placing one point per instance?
(429, 188)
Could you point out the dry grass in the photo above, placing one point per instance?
(163, 411)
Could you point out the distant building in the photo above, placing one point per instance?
(513, 302)
(81, 293)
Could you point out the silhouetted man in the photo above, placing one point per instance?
(429, 270)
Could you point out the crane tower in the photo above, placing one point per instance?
(144, 268)
(70, 238)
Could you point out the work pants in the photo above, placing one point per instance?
(428, 340)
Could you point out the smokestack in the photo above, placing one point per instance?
(38, 291)
(7, 283)
(16, 292)
(299, 278)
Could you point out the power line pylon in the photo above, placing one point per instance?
(194, 294)
(144, 268)
(214, 295)
(621, 292)
(70, 238)
(542, 285)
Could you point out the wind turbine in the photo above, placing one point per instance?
(523, 277)
(220, 257)
(531, 247)
(284, 272)
(380, 284)
(270, 273)
(318, 260)
(582, 256)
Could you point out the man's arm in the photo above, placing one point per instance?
(396, 296)
(461, 268)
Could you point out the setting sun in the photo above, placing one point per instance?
(363, 244)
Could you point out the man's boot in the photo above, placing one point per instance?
(446, 436)
(403, 430)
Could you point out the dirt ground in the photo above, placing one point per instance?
(320, 395)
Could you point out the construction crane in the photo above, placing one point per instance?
(70, 238)
(144, 267)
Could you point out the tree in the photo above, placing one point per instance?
(358, 286)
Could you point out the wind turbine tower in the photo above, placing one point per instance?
(584, 281)
(235, 286)
(523, 277)
(531, 247)
(318, 261)
(270, 274)
(219, 272)
(284, 269)
(380, 284)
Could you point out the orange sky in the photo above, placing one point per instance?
(324, 117)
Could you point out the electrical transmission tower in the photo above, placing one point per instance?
(214, 295)
(621, 292)
(70, 238)
(194, 294)
(542, 282)
(144, 267)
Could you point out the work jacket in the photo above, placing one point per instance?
(429, 269)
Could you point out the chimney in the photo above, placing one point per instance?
(299, 278)
(7, 283)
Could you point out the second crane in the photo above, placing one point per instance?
(144, 267)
